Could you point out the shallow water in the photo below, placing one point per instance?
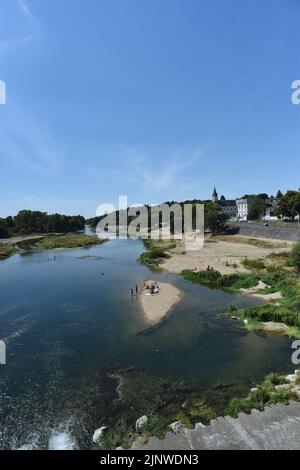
(68, 329)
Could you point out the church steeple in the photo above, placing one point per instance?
(215, 196)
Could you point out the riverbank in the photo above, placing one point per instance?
(257, 268)
(6, 251)
(157, 306)
(224, 254)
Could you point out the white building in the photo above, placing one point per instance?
(243, 208)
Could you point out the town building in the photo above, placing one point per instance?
(243, 208)
(240, 209)
(228, 206)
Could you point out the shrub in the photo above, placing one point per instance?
(235, 282)
(275, 379)
(115, 437)
(208, 278)
(156, 426)
(253, 263)
(266, 394)
(4, 233)
(275, 313)
(295, 256)
(199, 411)
(213, 279)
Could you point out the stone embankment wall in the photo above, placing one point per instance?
(278, 231)
(276, 428)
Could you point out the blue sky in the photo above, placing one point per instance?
(158, 100)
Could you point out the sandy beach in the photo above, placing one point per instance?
(223, 254)
(155, 307)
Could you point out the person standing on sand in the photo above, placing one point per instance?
(131, 292)
(136, 289)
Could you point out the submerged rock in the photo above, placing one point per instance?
(291, 377)
(141, 423)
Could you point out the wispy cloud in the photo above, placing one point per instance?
(29, 27)
(148, 172)
(25, 9)
(26, 141)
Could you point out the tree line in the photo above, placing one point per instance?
(28, 222)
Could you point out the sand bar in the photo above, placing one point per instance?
(157, 306)
(224, 254)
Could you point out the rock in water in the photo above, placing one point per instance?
(141, 423)
(98, 434)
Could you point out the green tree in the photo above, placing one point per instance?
(4, 233)
(257, 209)
(214, 218)
(289, 205)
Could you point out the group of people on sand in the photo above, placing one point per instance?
(209, 268)
(154, 288)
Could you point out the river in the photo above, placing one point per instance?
(70, 330)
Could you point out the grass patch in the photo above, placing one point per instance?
(256, 264)
(294, 258)
(252, 241)
(6, 251)
(156, 254)
(157, 426)
(69, 241)
(215, 280)
(118, 435)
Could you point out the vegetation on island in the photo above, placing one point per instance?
(35, 222)
(49, 243)
(69, 241)
(6, 251)
(157, 252)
